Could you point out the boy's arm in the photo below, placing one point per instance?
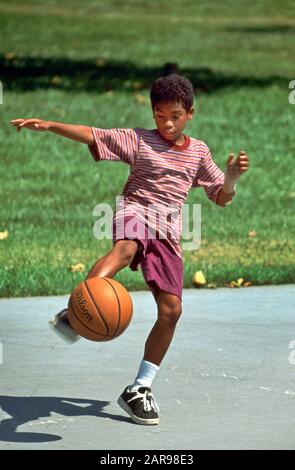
(235, 168)
(71, 131)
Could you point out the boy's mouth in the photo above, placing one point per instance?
(168, 132)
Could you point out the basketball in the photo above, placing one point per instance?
(100, 309)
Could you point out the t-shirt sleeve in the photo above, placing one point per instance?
(119, 145)
(209, 176)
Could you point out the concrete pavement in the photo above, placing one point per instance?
(227, 382)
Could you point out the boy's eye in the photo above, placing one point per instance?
(176, 116)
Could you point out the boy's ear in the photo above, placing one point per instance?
(190, 113)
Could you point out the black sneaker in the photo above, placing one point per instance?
(140, 405)
(61, 325)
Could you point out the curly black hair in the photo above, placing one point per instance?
(172, 88)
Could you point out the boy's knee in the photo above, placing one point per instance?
(170, 309)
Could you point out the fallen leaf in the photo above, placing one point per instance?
(240, 281)
(237, 283)
(252, 234)
(211, 286)
(3, 235)
(247, 284)
(77, 268)
(199, 279)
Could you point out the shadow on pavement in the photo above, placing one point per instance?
(25, 409)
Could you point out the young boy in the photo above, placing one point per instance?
(165, 165)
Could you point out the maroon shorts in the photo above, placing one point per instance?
(159, 264)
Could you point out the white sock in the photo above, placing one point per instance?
(145, 376)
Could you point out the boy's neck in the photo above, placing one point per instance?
(181, 141)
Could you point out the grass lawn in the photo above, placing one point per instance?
(240, 61)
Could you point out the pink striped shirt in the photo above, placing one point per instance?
(161, 175)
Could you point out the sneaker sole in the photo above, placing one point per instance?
(134, 418)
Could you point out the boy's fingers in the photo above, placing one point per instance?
(27, 121)
(16, 120)
(243, 167)
(243, 159)
(241, 162)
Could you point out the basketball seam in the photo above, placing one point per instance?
(79, 320)
(119, 306)
(101, 316)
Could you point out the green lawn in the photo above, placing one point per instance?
(66, 60)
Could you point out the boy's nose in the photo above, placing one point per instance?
(168, 125)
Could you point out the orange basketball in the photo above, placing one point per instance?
(100, 309)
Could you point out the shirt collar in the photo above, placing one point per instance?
(176, 147)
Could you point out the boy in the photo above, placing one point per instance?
(165, 164)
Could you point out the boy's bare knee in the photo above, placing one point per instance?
(170, 309)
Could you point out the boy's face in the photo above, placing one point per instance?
(171, 119)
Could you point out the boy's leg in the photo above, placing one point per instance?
(137, 399)
(118, 258)
(160, 337)
(163, 272)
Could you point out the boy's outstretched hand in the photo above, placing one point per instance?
(235, 167)
(33, 124)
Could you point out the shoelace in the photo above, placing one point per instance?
(148, 399)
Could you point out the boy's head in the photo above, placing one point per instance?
(172, 103)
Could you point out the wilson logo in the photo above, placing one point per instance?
(82, 304)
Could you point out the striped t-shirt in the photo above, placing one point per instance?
(161, 175)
